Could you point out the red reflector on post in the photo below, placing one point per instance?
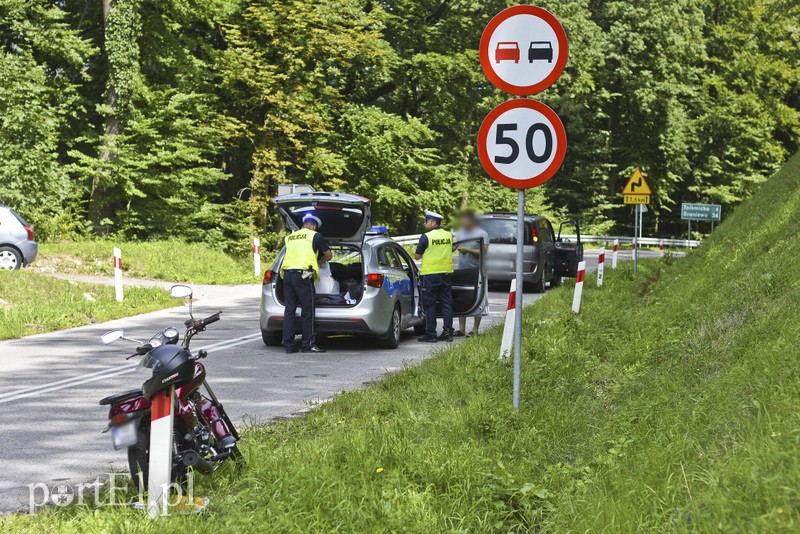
(375, 280)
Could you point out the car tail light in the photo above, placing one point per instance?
(375, 280)
(30, 232)
(269, 276)
(535, 234)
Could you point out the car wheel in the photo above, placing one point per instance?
(272, 338)
(392, 338)
(10, 259)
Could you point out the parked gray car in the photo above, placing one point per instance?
(18, 245)
(374, 285)
(546, 257)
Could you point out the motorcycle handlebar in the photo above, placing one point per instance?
(211, 319)
(200, 324)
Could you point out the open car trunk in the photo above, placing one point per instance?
(345, 218)
(345, 285)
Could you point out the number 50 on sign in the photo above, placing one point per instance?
(522, 143)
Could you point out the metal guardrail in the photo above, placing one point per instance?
(646, 241)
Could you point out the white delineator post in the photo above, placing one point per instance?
(661, 247)
(576, 300)
(614, 254)
(257, 256)
(508, 328)
(601, 263)
(160, 471)
(118, 273)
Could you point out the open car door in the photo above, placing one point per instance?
(568, 253)
(467, 279)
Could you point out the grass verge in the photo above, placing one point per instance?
(668, 404)
(32, 303)
(170, 260)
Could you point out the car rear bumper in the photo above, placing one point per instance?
(506, 276)
(29, 250)
(371, 316)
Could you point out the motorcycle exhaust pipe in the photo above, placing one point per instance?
(192, 458)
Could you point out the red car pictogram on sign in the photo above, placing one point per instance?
(507, 52)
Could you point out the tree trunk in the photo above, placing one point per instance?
(111, 130)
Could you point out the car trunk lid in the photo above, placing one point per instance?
(345, 218)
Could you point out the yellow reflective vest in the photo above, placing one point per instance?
(300, 252)
(438, 257)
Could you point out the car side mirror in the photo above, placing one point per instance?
(180, 292)
(112, 336)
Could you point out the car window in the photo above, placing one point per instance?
(387, 258)
(402, 262)
(467, 254)
(503, 230)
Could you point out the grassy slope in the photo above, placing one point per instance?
(669, 404)
(33, 303)
(173, 261)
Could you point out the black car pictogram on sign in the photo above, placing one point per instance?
(540, 50)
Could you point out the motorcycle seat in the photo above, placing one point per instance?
(119, 397)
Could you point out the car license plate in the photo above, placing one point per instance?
(125, 435)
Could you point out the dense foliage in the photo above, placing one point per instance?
(151, 118)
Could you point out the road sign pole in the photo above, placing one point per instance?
(635, 233)
(689, 235)
(518, 304)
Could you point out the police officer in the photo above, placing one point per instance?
(300, 268)
(436, 250)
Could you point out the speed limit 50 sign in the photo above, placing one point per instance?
(522, 143)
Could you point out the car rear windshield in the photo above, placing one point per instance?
(503, 230)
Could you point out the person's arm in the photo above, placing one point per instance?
(321, 248)
(421, 246)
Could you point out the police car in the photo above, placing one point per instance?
(370, 287)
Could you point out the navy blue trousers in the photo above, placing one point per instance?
(298, 291)
(437, 288)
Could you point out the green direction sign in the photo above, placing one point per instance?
(701, 212)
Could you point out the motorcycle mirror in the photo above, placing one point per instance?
(180, 292)
(112, 336)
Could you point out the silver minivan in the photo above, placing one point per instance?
(547, 257)
(18, 245)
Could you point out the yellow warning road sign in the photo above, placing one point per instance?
(637, 191)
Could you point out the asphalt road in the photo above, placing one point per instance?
(50, 384)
